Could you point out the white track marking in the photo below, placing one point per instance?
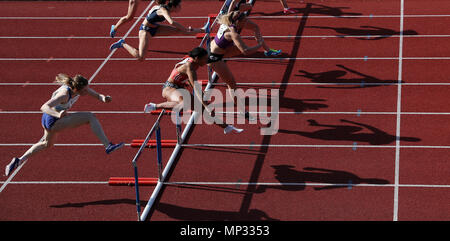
(247, 145)
(399, 104)
(236, 183)
(230, 59)
(245, 37)
(259, 112)
(240, 83)
(251, 17)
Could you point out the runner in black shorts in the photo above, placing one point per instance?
(151, 27)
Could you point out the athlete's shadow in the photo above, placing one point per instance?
(316, 9)
(350, 133)
(195, 214)
(366, 32)
(337, 77)
(324, 179)
(301, 105)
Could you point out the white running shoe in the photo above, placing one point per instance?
(231, 128)
(149, 107)
(15, 162)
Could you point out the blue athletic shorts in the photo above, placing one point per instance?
(152, 31)
(48, 121)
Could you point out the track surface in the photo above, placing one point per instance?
(345, 149)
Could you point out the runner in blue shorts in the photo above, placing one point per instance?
(56, 119)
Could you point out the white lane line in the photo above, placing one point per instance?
(223, 84)
(259, 112)
(251, 17)
(229, 59)
(246, 37)
(237, 183)
(307, 184)
(58, 182)
(246, 145)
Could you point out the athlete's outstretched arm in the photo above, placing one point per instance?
(102, 98)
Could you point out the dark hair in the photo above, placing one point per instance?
(172, 3)
(161, 1)
(197, 52)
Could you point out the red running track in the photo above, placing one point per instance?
(334, 157)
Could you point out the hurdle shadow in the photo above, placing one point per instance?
(195, 214)
(338, 77)
(366, 32)
(331, 179)
(349, 131)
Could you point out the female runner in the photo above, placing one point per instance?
(151, 27)
(228, 43)
(56, 119)
(183, 75)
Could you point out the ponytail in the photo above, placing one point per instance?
(78, 82)
(63, 79)
(228, 18)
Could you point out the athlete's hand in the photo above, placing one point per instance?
(62, 114)
(105, 99)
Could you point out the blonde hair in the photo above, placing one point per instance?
(78, 82)
(228, 18)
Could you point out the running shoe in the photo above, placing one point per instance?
(206, 28)
(231, 128)
(112, 32)
(116, 45)
(272, 52)
(289, 10)
(149, 107)
(15, 162)
(113, 147)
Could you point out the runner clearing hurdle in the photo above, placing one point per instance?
(184, 74)
(56, 118)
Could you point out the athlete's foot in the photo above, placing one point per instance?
(116, 45)
(112, 32)
(272, 52)
(231, 128)
(15, 162)
(112, 147)
(149, 107)
(205, 28)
